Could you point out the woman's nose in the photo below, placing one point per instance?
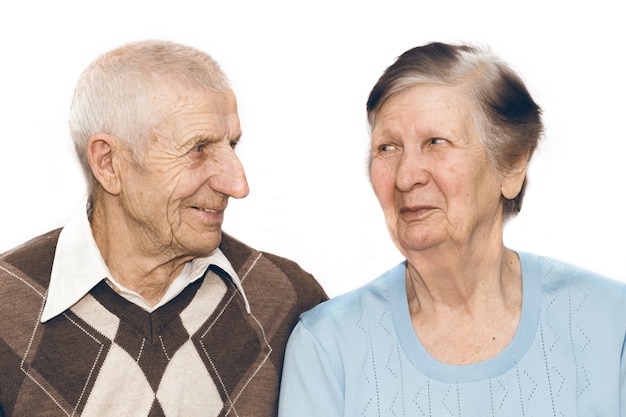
(411, 171)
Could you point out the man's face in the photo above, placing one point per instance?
(174, 202)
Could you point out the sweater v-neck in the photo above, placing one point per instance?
(148, 324)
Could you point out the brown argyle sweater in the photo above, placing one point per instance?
(201, 354)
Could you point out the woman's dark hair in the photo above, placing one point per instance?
(509, 121)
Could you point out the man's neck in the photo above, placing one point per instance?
(133, 263)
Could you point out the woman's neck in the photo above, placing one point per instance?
(465, 308)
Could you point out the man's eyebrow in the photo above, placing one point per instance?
(208, 138)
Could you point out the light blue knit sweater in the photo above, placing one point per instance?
(357, 354)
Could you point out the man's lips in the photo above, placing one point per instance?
(208, 210)
(211, 214)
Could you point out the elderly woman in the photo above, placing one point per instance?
(465, 326)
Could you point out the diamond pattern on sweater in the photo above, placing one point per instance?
(499, 395)
(52, 367)
(421, 399)
(228, 368)
(187, 386)
(120, 383)
(97, 317)
(127, 368)
(451, 401)
(113, 344)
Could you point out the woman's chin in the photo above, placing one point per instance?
(409, 242)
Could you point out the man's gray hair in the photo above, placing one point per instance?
(114, 94)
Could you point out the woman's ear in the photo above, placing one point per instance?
(513, 179)
(102, 151)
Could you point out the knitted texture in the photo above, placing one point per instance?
(199, 355)
(358, 355)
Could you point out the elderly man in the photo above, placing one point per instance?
(140, 305)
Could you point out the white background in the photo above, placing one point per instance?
(302, 72)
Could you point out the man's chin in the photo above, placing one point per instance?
(200, 245)
(207, 244)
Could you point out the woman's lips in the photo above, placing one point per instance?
(416, 212)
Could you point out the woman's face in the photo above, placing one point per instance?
(431, 173)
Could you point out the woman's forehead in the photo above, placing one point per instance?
(427, 108)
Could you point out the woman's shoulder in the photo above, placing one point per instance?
(557, 274)
(352, 306)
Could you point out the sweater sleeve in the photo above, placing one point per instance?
(312, 385)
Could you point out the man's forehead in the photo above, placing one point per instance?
(179, 95)
(197, 116)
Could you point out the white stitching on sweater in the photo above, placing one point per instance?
(258, 368)
(24, 281)
(252, 266)
(232, 401)
(31, 377)
(82, 392)
(204, 349)
(163, 347)
(143, 343)
(32, 338)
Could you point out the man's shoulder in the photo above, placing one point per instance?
(24, 278)
(241, 256)
(236, 251)
(33, 258)
(270, 268)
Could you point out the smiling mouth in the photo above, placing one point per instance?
(208, 210)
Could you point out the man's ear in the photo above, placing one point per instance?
(103, 150)
(513, 179)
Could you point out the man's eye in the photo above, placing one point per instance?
(436, 141)
(200, 147)
(386, 147)
(233, 144)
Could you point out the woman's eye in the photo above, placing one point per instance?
(436, 141)
(386, 148)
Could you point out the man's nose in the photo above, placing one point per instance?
(231, 178)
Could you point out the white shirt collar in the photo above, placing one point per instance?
(78, 267)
